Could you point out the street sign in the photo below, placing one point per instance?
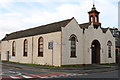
(50, 45)
(10, 56)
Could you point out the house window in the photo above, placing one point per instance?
(40, 47)
(109, 44)
(25, 47)
(73, 40)
(13, 48)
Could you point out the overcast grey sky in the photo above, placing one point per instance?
(18, 15)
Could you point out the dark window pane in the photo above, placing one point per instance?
(40, 47)
(13, 48)
(25, 47)
(73, 46)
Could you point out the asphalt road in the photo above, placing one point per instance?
(111, 74)
(9, 73)
(6, 71)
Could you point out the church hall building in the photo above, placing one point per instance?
(61, 43)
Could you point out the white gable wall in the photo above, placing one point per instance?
(67, 31)
(109, 37)
(92, 34)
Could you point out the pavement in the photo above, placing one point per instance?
(51, 71)
(79, 69)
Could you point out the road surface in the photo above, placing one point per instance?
(28, 72)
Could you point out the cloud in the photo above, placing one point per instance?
(39, 1)
(16, 17)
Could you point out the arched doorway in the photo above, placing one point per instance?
(95, 48)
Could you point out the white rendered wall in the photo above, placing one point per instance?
(72, 28)
(33, 50)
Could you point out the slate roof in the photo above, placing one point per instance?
(84, 25)
(113, 28)
(93, 10)
(104, 30)
(53, 27)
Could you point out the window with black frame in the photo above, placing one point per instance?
(13, 48)
(25, 48)
(40, 47)
(109, 44)
(73, 40)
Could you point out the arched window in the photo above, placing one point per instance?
(109, 44)
(40, 47)
(25, 47)
(13, 48)
(73, 40)
(91, 18)
(95, 18)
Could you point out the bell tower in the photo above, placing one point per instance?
(94, 16)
